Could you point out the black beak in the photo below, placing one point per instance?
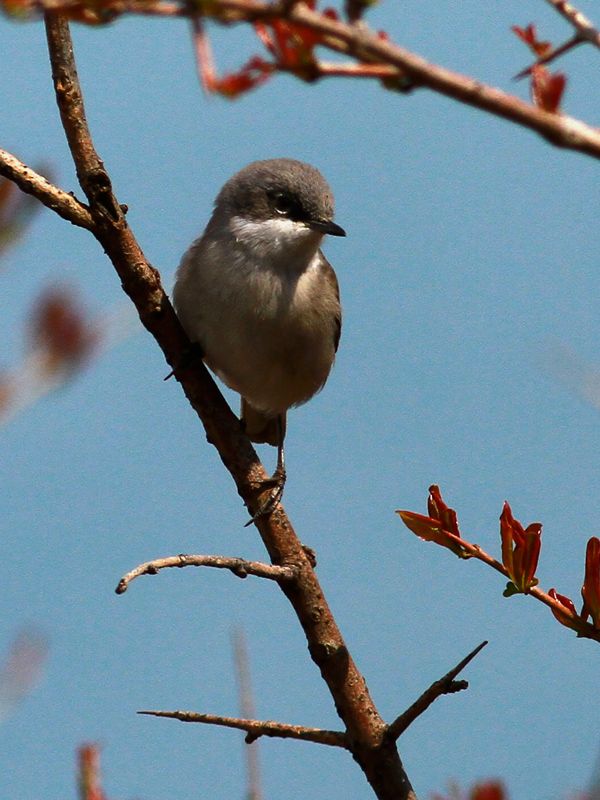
(326, 226)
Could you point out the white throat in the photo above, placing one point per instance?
(279, 243)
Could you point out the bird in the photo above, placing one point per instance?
(260, 299)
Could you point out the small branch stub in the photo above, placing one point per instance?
(445, 685)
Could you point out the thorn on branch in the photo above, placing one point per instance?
(445, 685)
(256, 728)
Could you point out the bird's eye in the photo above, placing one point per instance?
(283, 204)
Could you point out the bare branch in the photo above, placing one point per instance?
(28, 181)
(257, 728)
(445, 685)
(238, 566)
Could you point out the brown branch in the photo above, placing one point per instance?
(584, 629)
(363, 44)
(377, 757)
(257, 728)
(28, 181)
(238, 566)
(358, 41)
(445, 685)
(366, 46)
(204, 59)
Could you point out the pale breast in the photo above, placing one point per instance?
(270, 334)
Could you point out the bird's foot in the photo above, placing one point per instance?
(277, 482)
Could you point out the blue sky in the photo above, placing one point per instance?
(471, 255)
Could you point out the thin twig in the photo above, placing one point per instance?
(30, 182)
(238, 566)
(445, 685)
(256, 728)
(552, 55)
(584, 27)
(331, 69)
(91, 174)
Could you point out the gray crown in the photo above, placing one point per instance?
(256, 190)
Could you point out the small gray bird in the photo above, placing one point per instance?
(260, 298)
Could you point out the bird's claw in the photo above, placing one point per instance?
(277, 481)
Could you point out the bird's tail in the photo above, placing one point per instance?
(262, 428)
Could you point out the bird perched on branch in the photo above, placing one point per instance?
(258, 296)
